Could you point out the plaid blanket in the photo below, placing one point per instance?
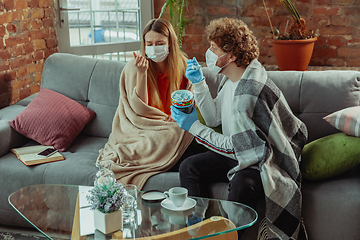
(270, 133)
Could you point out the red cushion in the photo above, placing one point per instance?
(52, 119)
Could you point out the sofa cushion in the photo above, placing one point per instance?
(86, 143)
(103, 96)
(346, 120)
(52, 119)
(69, 75)
(331, 206)
(162, 181)
(314, 94)
(330, 156)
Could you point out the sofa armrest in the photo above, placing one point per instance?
(9, 138)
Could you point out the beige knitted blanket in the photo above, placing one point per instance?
(143, 142)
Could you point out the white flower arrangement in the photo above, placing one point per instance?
(108, 196)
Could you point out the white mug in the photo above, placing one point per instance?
(177, 195)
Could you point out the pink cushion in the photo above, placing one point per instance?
(52, 119)
(346, 120)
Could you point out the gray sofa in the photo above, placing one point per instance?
(331, 207)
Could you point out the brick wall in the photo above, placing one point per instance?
(28, 35)
(336, 21)
(27, 38)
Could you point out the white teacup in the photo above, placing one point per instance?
(177, 195)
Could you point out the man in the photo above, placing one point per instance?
(259, 149)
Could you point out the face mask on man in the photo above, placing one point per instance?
(157, 53)
(211, 59)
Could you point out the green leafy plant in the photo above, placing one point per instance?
(176, 10)
(108, 196)
(297, 31)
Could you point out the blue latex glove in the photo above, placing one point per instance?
(193, 71)
(184, 120)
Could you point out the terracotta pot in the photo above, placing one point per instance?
(293, 54)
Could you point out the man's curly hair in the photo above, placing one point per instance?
(233, 36)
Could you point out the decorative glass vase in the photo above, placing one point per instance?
(104, 171)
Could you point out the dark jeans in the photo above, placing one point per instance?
(193, 149)
(198, 172)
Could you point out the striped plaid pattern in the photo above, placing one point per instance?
(346, 120)
(267, 132)
(210, 145)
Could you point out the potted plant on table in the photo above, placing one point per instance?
(293, 49)
(106, 199)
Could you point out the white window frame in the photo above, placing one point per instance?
(146, 14)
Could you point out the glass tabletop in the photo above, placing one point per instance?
(62, 210)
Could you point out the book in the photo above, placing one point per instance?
(28, 155)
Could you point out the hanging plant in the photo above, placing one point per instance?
(176, 10)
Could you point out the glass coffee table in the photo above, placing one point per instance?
(62, 210)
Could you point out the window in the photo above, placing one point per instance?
(107, 29)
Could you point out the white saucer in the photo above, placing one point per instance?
(153, 196)
(188, 204)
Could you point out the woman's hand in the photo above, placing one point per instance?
(141, 63)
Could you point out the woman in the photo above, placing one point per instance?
(155, 79)
(145, 140)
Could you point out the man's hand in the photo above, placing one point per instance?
(184, 120)
(193, 71)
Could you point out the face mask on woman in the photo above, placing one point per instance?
(211, 59)
(157, 53)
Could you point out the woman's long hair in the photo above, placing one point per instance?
(175, 62)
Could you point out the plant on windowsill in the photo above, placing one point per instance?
(177, 20)
(293, 49)
(106, 199)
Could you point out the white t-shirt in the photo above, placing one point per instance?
(226, 99)
(214, 115)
